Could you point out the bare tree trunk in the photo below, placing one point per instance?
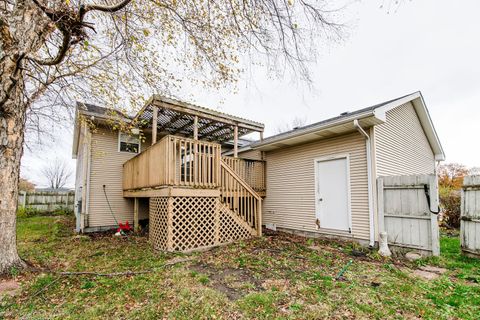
(23, 29)
(12, 125)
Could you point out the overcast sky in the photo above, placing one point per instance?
(427, 45)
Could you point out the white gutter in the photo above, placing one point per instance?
(369, 177)
(313, 128)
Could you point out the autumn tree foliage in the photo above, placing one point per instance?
(25, 185)
(450, 181)
(117, 52)
(451, 175)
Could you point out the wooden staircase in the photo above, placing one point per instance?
(240, 198)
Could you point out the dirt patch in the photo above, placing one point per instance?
(429, 272)
(234, 283)
(9, 287)
(425, 274)
(433, 269)
(99, 235)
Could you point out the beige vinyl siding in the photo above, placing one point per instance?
(251, 155)
(106, 169)
(401, 145)
(290, 199)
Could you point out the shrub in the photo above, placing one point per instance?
(450, 201)
(26, 212)
(63, 211)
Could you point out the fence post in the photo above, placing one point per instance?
(434, 217)
(380, 205)
(462, 213)
(470, 216)
(24, 200)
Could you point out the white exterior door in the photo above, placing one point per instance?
(333, 193)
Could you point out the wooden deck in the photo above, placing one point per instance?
(174, 161)
(197, 197)
(188, 164)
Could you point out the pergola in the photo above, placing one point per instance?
(168, 116)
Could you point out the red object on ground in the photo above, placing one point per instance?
(124, 227)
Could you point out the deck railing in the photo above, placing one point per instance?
(174, 161)
(178, 161)
(240, 197)
(252, 171)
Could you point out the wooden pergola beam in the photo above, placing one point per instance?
(178, 117)
(200, 128)
(203, 127)
(171, 121)
(164, 103)
(232, 137)
(189, 123)
(214, 131)
(206, 122)
(209, 115)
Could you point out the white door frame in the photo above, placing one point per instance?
(349, 198)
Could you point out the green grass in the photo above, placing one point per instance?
(275, 277)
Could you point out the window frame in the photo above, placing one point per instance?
(131, 135)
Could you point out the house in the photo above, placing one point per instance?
(176, 165)
(200, 187)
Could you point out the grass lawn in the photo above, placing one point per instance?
(275, 277)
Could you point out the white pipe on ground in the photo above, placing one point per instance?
(369, 179)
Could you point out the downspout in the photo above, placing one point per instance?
(369, 179)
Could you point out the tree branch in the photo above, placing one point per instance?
(62, 51)
(102, 8)
(71, 25)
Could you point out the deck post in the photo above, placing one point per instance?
(259, 218)
(135, 215)
(235, 142)
(195, 151)
(195, 128)
(154, 124)
(262, 153)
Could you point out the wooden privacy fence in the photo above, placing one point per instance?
(405, 213)
(174, 161)
(46, 201)
(470, 216)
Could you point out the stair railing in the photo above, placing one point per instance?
(240, 197)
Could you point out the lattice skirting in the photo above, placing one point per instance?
(188, 223)
(159, 222)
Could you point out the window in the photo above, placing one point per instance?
(128, 143)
